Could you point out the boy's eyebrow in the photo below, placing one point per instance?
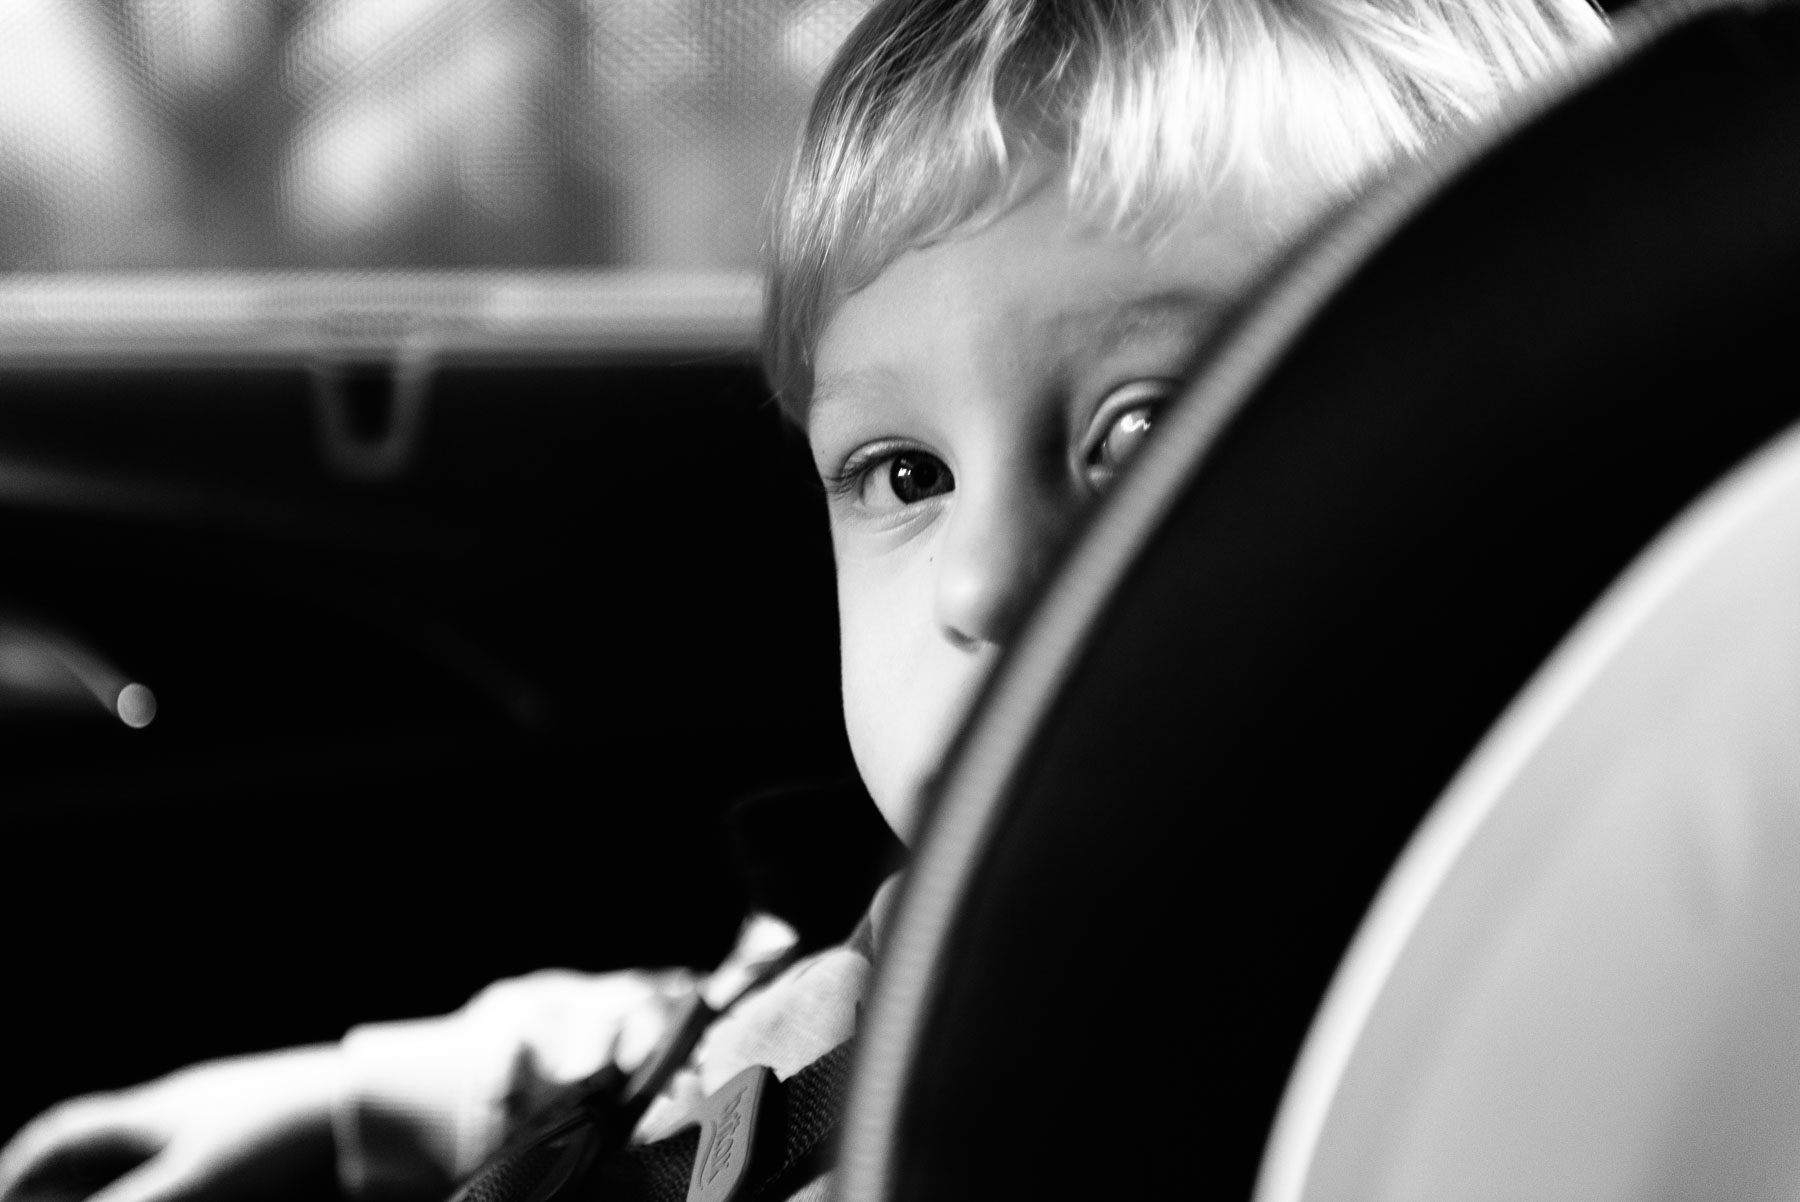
(831, 385)
(1180, 311)
(833, 389)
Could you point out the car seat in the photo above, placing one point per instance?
(1443, 430)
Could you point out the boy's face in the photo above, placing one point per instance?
(970, 403)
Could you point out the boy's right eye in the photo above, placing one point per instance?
(886, 483)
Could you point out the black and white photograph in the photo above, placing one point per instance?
(899, 600)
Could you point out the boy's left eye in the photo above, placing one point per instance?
(1122, 429)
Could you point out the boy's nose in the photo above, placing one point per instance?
(993, 559)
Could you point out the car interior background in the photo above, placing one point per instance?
(369, 375)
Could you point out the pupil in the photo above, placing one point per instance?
(916, 477)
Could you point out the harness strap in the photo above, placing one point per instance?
(791, 1145)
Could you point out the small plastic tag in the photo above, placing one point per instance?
(728, 1121)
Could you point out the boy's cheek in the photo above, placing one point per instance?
(899, 736)
(876, 701)
(881, 738)
(906, 690)
(894, 681)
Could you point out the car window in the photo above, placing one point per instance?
(213, 134)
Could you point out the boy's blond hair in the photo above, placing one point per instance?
(940, 114)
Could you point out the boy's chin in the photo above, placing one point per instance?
(901, 809)
(901, 758)
(901, 798)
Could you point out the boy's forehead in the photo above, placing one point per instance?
(1090, 326)
(1037, 282)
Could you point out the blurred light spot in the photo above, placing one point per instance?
(357, 168)
(399, 142)
(136, 706)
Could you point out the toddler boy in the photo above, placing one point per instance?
(1009, 231)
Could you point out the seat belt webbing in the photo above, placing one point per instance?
(811, 1101)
